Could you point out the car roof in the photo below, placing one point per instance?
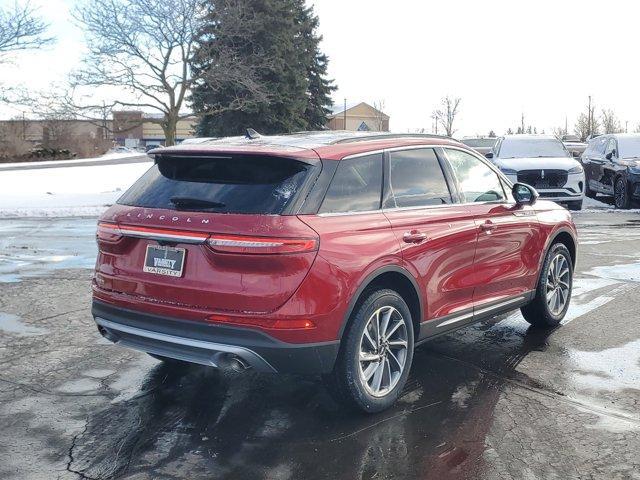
(331, 144)
(622, 135)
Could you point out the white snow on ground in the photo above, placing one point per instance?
(106, 156)
(593, 205)
(65, 191)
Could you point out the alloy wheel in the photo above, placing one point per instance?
(620, 192)
(558, 284)
(383, 351)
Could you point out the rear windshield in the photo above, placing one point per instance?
(252, 185)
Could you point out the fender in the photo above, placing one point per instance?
(551, 240)
(368, 280)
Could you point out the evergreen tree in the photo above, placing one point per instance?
(281, 52)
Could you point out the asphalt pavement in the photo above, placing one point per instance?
(497, 400)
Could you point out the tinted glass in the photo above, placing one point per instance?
(629, 147)
(597, 145)
(477, 182)
(259, 185)
(532, 148)
(480, 142)
(356, 186)
(611, 147)
(416, 179)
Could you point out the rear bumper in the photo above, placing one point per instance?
(213, 345)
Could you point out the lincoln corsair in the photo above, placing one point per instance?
(543, 162)
(327, 253)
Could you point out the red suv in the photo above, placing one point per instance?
(324, 253)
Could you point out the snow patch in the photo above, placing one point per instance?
(65, 191)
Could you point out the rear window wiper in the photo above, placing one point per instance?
(191, 202)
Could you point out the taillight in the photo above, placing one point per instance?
(261, 245)
(261, 322)
(108, 233)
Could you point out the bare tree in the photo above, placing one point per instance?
(559, 132)
(587, 124)
(21, 29)
(143, 47)
(610, 123)
(146, 47)
(447, 113)
(379, 116)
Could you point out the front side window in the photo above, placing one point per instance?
(597, 145)
(611, 148)
(477, 182)
(356, 186)
(416, 179)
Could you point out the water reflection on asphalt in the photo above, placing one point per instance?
(34, 247)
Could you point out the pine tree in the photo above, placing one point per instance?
(319, 88)
(282, 52)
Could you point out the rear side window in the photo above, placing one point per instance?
(356, 186)
(251, 185)
(416, 179)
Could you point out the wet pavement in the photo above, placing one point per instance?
(497, 400)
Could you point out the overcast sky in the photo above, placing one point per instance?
(502, 58)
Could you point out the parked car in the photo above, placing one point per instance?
(612, 167)
(482, 145)
(543, 162)
(324, 253)
(575, 146)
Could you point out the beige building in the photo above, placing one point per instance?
(135, 128)
(358, 117)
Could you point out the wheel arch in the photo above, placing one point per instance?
(567, 238)
(395, 278)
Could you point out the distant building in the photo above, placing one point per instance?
(135, 129)
(359, 117)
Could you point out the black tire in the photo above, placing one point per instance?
(575, 205)
(538, 313)
(621, 198)
(346, 383)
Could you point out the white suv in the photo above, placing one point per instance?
(543, 162)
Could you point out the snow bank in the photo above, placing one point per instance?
(105, 157)
(592, 205)
(65, 191)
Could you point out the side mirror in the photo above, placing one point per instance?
(524, 194)
(609, 156)
(489, 154)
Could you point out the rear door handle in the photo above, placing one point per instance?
(414, 236)
(488, 226)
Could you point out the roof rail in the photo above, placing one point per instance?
(383, 136)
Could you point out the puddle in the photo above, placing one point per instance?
(629, 272)
(613, 369)
(30, 248)
(13, 325)
(83, 385)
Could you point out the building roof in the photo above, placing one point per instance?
(330, 144)
(338, 108)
